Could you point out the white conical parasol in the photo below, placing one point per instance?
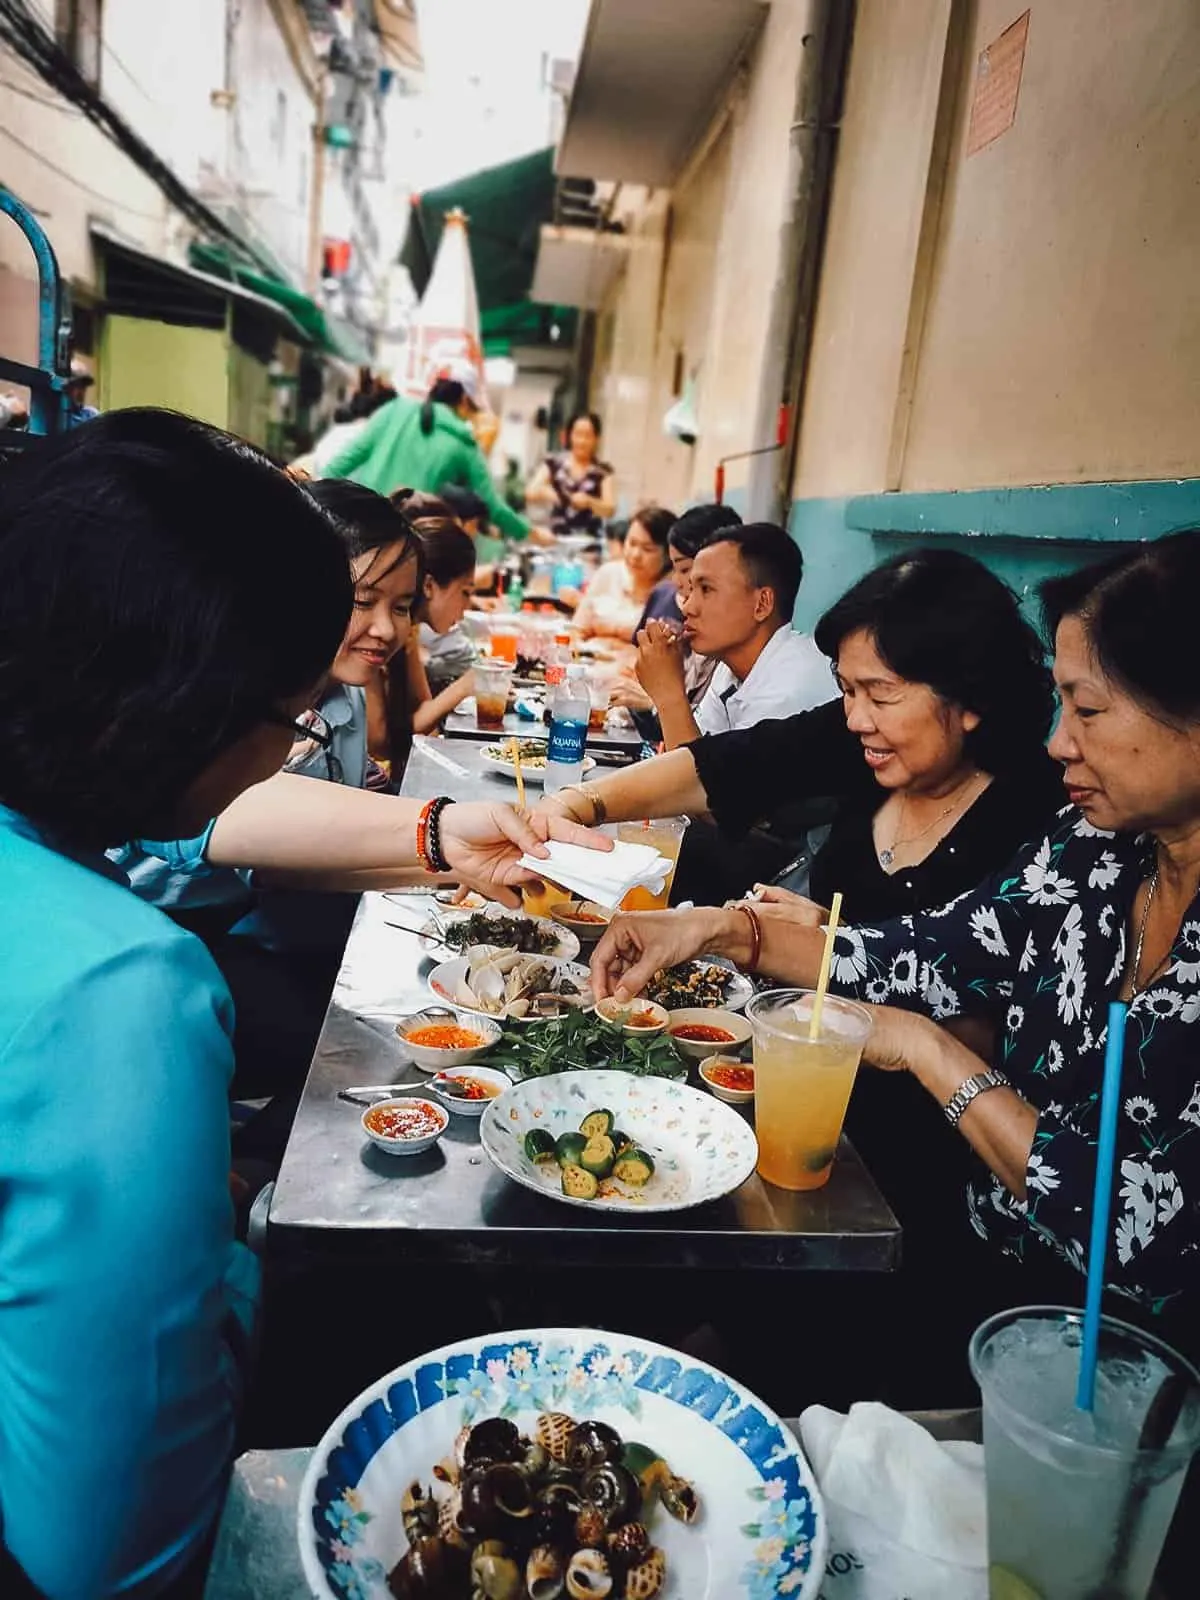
(445, 331)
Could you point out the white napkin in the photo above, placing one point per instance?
(907, 1512)
(603, 877)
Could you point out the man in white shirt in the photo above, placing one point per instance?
(737, 608)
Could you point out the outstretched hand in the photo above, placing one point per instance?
(484, 842)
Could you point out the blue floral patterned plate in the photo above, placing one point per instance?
(761, 1531)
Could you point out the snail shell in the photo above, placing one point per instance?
(496, 1577)
(589, 1576)
(554, 1430)
(647, 1578)
(590, 1527)
(545, 1573)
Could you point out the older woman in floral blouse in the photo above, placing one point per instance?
(1105, 905)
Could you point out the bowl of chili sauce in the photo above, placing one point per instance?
(729, 1078)
(406, 1125)
(699, 1032)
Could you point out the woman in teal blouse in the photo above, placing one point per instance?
(169, 603)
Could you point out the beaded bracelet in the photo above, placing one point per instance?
(429, 835)
(434, 838)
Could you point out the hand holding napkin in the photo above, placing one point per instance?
(605, 878)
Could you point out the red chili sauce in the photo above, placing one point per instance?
(701, 1033)
(739, 1078)
(474, 1088)
(643, 1019)
(417, 1120)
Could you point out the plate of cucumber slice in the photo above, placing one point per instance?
(614, 1142)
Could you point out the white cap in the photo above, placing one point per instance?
(459, 369)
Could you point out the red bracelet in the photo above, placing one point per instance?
(423, 837)
(755, 934)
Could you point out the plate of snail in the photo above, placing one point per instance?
(560, 1462)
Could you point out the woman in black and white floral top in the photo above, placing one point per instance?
(1105, 905)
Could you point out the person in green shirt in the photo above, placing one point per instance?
(425, 444)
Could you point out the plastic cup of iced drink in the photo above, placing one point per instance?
(1079, 1502)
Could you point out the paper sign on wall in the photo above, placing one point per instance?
(997, 85)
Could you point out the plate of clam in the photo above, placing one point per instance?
(560, 1462)
(512, 987)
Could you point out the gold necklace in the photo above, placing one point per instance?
(888, 855)
(1135, 988)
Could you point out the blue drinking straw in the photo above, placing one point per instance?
(1110, 1101)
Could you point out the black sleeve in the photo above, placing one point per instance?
(750, 774)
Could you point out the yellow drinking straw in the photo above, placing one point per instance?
(814, 1024)
(515, 747)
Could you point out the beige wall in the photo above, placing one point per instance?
(747, 263)
(696, 289)
(867, 273)
(1042, 323)
(623, 375)
(682, 353)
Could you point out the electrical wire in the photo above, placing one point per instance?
(39, 99)
(38, 48)
(96, 194)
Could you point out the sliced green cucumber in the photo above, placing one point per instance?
(634, 1167)
(568, 1148)
(577, 1183)
(539, 1146)
(598, 1156)
(597, 1122)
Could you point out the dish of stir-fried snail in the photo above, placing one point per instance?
(566, 1511)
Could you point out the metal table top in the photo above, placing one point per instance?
(461, 725)
(450, 1204)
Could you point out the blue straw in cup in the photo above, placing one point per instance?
(1110, 1100)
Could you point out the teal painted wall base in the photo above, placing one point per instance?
(1024, 534)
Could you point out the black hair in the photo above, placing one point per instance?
(346, 413)
(465, 504)
(583, 416)
(188, 588)
(367, 522)
(416, 503)
(445, 392)
(657, 521)
(696, 526)
(1138, 609)
(771, 558)
(940, 618)
(449, 552)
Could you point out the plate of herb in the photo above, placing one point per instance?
(580, 1042)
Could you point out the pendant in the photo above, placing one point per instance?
(886, 857)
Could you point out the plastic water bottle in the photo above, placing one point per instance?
(558, 659)
(569, 711)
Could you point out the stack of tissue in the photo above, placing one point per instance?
(906, 1512)
(605, 877)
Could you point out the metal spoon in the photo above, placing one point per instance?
(357, 1096)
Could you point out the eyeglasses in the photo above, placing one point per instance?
(311, 726)
(311, 732)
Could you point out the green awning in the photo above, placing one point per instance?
(526, 323)
(331, 334)
(505, 208)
